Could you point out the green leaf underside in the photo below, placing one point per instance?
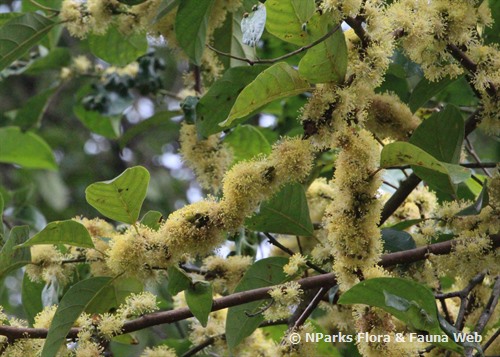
(327, 61)
(304, 9)
(191, 24)
(215, 106)
(25, 149)
(121, 198)
(63, 232)
(178, 281)
(246, 142)
(285, 213)
(401, 153)
(283, 22)
(407, 300)
(199, 299)
(12, 258)
(21, 33)
(116, 48)
(73, 303)
(276, 82)
(265, 272)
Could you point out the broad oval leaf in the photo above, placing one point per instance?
(401, 153)
(63, 232)
(429, 135)
(246, 142)
(121, 198)
(73, 303)
(327, 61)
(31, 113)
(409, 301)
(283, 22)
(152, 219)
(265, 272)
(304, 9)
(481, 202)
(277, 82)
(114, 294)
(395, 240)
(12, 258)
(286, 213)
(116, 48)
(178, 280)
(25, 149)
(191, 24)
(199, 300)
(20, 34)
(215, 106)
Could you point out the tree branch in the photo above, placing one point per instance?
(313, 282)
(280, 58)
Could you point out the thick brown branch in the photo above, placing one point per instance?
(318, 281)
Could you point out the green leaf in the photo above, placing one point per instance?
(429, 135)
(12, 258)
(446, 148)
(191, 25)
(304, 9)
(405, 224)
(96, 122)
(132, 2)
(54, 60)
(199, 300)
(178, 281)
(121, 198)
(114, 294)
(63, 232)
(21, 33)
(215, 106)
(397, 241)
(6, 16)
(492, 33)
(229, 40)
(31, 113)
(118, 49)
(152, 219)
(276, 82)
(25, 149)
(476, 208)
(407, 300)
(285, 213)
(265, 272)
(425, 90)
(2, 206)
(73, 303)
(283, 22)
(246, 142)
(160, 121)
(401, 153)
(31, 298)
(327, 61)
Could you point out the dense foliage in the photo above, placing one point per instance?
(234, 177)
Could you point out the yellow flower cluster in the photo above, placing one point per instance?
(351, 220)
(96, 16)
(389, 118)
(225, 273)
(208, 158)
(285, 298)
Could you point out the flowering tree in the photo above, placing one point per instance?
(357, 137)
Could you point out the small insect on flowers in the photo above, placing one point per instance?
(252, 25)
